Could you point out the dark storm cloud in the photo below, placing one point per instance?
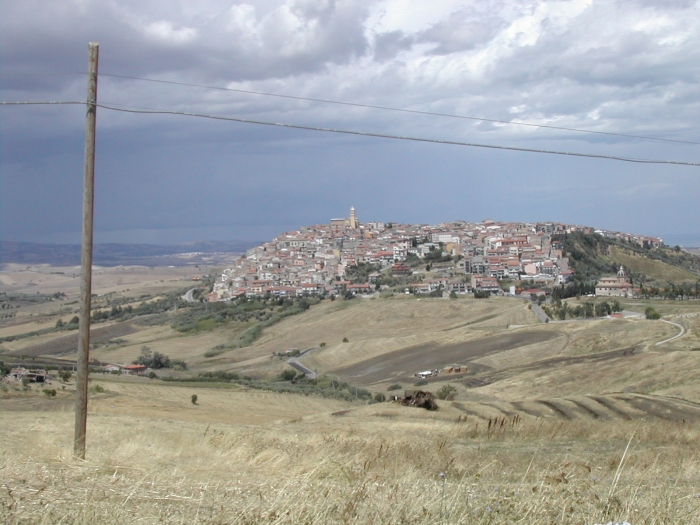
(626, 67)
(227, 41)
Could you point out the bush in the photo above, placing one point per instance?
(97, 389)
(49, 392)
(288, 374)
(379, 397)
(420, 383)
(178, 364)
(65, 375)
(194, 399)
(345, 339)
(447, 392)
(395, 386)
(650, 313)
(152, 375)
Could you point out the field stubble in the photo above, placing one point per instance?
(376, 464)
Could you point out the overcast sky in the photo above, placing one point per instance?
(626, 67)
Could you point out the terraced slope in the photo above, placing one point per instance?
(594, 407)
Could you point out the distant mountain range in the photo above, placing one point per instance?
(113, 254)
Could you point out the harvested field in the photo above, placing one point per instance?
(403, 364)
(599, 407)
(358, 464)
(69, 343)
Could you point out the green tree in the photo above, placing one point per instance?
(650, 313)
(287, 374)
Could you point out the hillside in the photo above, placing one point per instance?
(581, 421)
(593, 256)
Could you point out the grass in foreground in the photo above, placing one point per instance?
(377, 464)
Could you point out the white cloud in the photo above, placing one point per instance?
(164, 30)
(623, 67)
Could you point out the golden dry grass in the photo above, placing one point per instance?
(656, 270)
(375, 327)
(131, 279)
(376, 464)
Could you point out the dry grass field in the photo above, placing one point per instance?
(656, 270)
(573, 422)
(46, 279)
(362, 464)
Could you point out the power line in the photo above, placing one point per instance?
(403, 110)
(43, 103)
(396, 137)
(136, 109)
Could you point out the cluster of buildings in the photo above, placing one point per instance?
(21, 375)
(315, 259)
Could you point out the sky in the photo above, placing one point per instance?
(613, 67)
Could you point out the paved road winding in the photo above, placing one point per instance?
(539, 312)
(294, 363)
(682, 332)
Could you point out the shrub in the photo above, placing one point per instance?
(395, 386)
(65, 375)
(379, 397)
(152, 375)
(49, 392)
(420, 383)
(178, 364)
(97, 389)
(288, 374)
(322, 345)
(345, 339)
(194, 399)
(447, 392)
(650, 313)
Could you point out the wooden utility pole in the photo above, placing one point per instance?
(81, 383)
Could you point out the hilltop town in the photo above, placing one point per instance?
(459, 257)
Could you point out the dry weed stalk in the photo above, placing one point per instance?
(364, 470)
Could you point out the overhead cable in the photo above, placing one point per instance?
(396, 137)
(43, 103)
(403, 110)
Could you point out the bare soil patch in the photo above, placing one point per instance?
(402, 364)
(69, 343)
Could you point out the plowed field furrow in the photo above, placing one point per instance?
(590, 411)
(520, 406)
(557, 409)
(430, 356)
(474, 382)
(500, 408)
(460, 406)
(69, 343)
(610, 405)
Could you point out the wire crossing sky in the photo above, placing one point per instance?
(502, 84)
(355, 104)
